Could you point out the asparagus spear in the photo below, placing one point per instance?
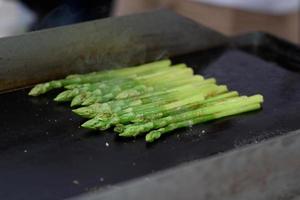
(119, 85)
(202, 89)
(92, 94)
(183, 108)
(183, 73)
(100, 88)
(178, 79)
(79, 99)
(103, 124)
(154, 135)
(229, 104)
(148, 106)
(117, 106)
(221, 95)
(95, 77)
(99, 123)
(219, 98)
(136, 92)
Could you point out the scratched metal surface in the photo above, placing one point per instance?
(45, 155)
(269, 170)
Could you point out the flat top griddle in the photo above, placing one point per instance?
(44, 154)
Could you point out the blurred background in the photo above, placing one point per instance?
(231, 17)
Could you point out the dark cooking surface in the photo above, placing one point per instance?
(45, 155)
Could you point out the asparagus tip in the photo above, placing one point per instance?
(84, 112)
(59, 99)
(90, 124)
(75, 102)
(96, 123)
(153, 135)
(129, 131)
(78, 100)
(39, 89)
(63, 96)
(45, 87)
(88, 101)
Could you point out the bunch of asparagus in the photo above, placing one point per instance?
(153, 98)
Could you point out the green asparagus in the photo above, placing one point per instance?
(117, 86)
(95, 77)
(118, 106)
(151, 99)
(136, 129)
(154, 135)
(99, 123)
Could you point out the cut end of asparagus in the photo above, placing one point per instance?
(220, 98)
(258, 98)
(153, 135)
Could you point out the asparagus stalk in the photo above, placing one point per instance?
(164, 89)
(152, 105)
(123, 84)
(115, 107)
(136, 91)
(103, 124)
(152, 81)
(85, 94)
(178, 79)
(156, 115)
(229, 104)
(202, 89)
(118, 105)
(181, 80)
(98, 88)
(95, 77)
(154, 135)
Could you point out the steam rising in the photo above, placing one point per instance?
(118, 50)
